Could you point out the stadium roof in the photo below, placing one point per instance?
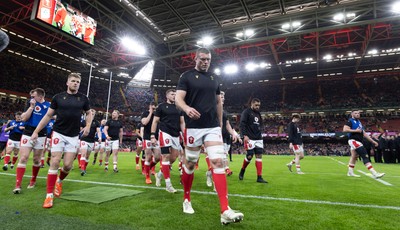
(296, 39)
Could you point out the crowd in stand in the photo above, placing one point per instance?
(22, 76)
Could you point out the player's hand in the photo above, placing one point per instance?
(34, 137)
(375, 143)
(234, 139)
(32, 102)
(359, 130)
(290, 146)
(192, 113)
(108, 138)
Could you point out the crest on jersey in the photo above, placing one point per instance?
(191, 140)
(79, 98)
(37, 108)
(197, 76)
(64, 98)
(167, 141)
(56, 140)
(212, 78)
(24, 141)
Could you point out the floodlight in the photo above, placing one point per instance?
(396, 7)
(133, 46)
(249, 32)
(217, 71)
(231, 69)
(296, 24)
(207, 41)
(286, 26)
(251, 66)
(338, 17)
(327, 57)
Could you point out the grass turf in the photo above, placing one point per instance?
(323, 198)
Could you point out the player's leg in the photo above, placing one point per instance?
(352, 163)
(362, 152)
(7, 157)
(83, 151)
(37, 154)
(259, 164)
(25, 149)
(246, 162)
(52, 176)
(227, 148)
(115, 147)
(149, 158)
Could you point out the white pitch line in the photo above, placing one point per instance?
(397, 208)
(366, 174)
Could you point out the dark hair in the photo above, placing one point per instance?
(38, 91)
(153, 103)
(170, 90)
(254, 100)
(18, 113)
(296, 116)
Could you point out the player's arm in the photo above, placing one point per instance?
(27, 114)
(243, 123)
(146, 120)
(121, 134)
(182, 123)
(141, 132)
(105, 131)
(219, 109)
(366, 136)
(156, 120)
(192, 113)
(153, 129)
(98, 133)
(231, 131)
(89, 119)
(347, 129)
(45, 120)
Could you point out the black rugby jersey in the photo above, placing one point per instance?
(294, 134)
(93, 130)
(113, 129)
(201, 90)
(169, 118)
(251, 124)
(147, 128)
(69, 109)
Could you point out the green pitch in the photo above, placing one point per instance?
(323, 198)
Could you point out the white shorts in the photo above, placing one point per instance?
(167, 140)
(139, 143)
(226, 148)
(47, 142)
(13, 144)
(25, 142)
(354, 144)
(251, 144)
(148, 145)
(298, 148)
(87, 146)
(112, 145)
(197, 137)
(62, 143)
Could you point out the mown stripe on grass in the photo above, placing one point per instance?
(233, 195)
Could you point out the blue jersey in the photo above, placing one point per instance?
(16, 132)
(103, 136)
(355, 124)
(49, 127)
(17, 125)
(37, 114)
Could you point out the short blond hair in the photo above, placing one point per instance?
(75, 75)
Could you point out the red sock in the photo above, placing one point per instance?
(42, 161)
(14, 160)
(63, 174)
(7, 159)
(245, 163)
(35, 172)
(208, 163)
(221, 186)
(100, 161)
(51, 180)
(259, 167)
(86, 163)
(165, 170)
(83, 163)
(137, 159)
(147, 171)
(187, 181)
(20, 174)
(48, 160)
(79, 157)
(142, 163)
